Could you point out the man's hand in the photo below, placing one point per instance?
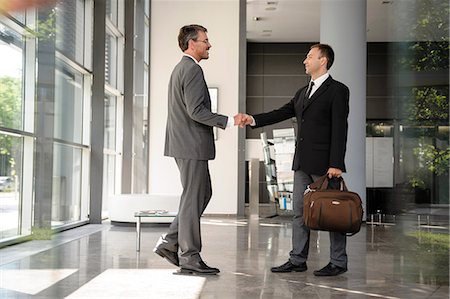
(334, 172)
(242, 120)
(238, 119)
(246, 120)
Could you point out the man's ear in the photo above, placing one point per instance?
(190, 44)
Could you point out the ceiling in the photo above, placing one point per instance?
(299, 20)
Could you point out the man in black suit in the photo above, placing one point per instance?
(321, 109)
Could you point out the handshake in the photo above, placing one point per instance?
(242, 119)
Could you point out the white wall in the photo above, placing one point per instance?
(221, 18)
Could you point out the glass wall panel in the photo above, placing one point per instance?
(109, 174)
(68, 103)
(421, 86)
(12, 53)
(112, 11)
(66, 195)
(19, 16)
(111, 60)
(146, 42)
(11, 149)
(110, 122)
(145, 122)
(11, 82)
(70, 29)
(109, 160)
(147, 7)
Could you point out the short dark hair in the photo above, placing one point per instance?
(327, 51)
(187, 33)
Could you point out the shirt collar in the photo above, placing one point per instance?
(320, 80)
(195, 60)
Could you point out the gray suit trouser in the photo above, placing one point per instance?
(184, 232)
(300, 232)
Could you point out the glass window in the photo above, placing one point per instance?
(68, 103)
(11, 148)
(19, 16)
(112, 11)
(145, 115)
(11, 82)
(111, 59)
(109, 164)
(66, 195)
(70, 25)
(146, 42)
(110, 122)
(147, 7)
(379, 129)
(109, 175)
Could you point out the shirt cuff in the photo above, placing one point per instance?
(230, 122)
(253, 121)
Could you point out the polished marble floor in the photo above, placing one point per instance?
(100, 261)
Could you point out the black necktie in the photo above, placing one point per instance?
(310, 87)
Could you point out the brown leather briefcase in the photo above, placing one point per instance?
(331, 209)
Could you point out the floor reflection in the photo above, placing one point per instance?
(404, 260)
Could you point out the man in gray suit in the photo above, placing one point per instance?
(190, 140)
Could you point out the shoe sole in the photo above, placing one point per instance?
(300, 270)
(183, 271)
(170, 260)
(327, 274)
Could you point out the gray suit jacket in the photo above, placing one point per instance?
(189, 130)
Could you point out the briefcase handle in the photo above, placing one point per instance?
(322, 183)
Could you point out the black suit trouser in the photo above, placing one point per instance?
(301, 233)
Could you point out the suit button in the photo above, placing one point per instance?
(303, 120)
(301, 138)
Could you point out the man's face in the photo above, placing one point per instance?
(202, 46)
(313, 61)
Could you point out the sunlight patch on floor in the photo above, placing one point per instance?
(141, 283)
(32, 281)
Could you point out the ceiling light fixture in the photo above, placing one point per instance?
(256, 18)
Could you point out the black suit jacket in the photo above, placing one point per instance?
(322, 126)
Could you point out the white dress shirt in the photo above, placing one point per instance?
(318, 82)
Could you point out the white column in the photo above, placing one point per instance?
(343, 27)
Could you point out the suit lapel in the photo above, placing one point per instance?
(318, 92)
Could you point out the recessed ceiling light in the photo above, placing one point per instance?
(387, 2)
(270, 8)
(256, 18)
(267, 31)
(272, 2)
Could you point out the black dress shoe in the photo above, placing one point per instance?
(170, 256)
(330, 270)
(290, 267)
(198, 268)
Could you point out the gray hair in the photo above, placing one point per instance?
(187, 33)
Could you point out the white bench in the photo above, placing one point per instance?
(122, 207)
